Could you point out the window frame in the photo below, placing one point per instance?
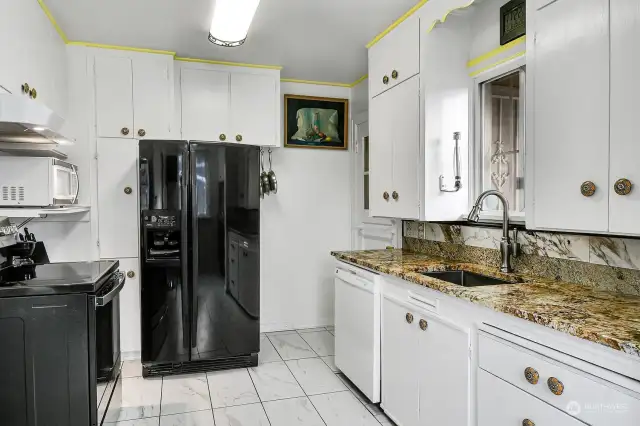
(477, 146)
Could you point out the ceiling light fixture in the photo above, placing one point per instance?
(231, 21)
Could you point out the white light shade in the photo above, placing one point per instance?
(231, 21)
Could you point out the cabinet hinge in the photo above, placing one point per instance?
(95, 156)
(470, 353)
(357, 147)
(98, 243)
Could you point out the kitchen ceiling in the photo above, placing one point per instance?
(320, 40)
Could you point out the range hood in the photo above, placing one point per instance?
(26, 122)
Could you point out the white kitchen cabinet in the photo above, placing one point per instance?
(624, 149)
(117, 198)
(205, 105)
(400, 363)
(395, 124)
(134, 96)
(130, 307)
(445, 369)
(114, 97)
(500, 403)
(395, 58)
(253, 109)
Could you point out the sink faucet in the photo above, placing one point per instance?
(507, 248)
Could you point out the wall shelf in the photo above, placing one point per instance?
(35, 212)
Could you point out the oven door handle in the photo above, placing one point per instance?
(104, 300)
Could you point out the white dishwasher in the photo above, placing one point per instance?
(357, 321)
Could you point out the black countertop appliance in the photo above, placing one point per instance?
(60, 333)
(200, 263)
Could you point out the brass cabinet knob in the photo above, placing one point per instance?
(532, 376)
(33, 93)
(131, 274)
(622, 186)
(409, 317)
(141, 132)
(555, 386)
(395, 195)
(423, 324)
(385, 195)
(527, 422)
(394, 75)
(385, 79)
(588, 188)
(124, 131)
(25, 88)
(128, 190)
(239, 138)
(223, 137)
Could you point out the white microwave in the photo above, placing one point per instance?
(37, 182)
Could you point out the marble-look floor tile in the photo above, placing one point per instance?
(274, 381)
(231, 387)
(149, 421)
(342, 408)
(100, 391)
(242, 415)
(184, 393)
(322, 342)
(131, 368)
(310, 330)
(292, 412)
(374, 409)
(314, 376)
(267, 352)
(331, 363)
(194, 418)
(291, 346)
(140, 398)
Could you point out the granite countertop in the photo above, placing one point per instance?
(607, 318)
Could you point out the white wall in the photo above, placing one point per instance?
(360, 98)
(301, 224)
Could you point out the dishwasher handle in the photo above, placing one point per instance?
(353, 279)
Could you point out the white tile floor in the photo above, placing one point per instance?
(295, 384)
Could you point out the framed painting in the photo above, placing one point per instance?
(311, 122)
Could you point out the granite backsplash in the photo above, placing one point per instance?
(600, 262)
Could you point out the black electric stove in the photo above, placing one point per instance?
(56, 278)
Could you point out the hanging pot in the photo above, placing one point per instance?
(273, 181)
(264, 176)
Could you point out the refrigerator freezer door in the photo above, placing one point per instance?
(225, 216)
(165, 312)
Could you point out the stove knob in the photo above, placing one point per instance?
(154, 219)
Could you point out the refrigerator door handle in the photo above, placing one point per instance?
(186, 253)
(193, 231)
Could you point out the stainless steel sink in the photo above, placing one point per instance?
(466, 278)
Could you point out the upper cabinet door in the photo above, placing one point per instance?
(114, 97)
(405, 139)
(396, 57)
(570, 73)
(205, 105)
(625, 91)
(380, 157)
(445, 364)
(153, 97)
(118, 198)
(253, 109)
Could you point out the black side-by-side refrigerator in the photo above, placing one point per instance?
(199, 256)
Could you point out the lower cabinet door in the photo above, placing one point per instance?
(445, 369)
(400, 361)
(44, 361)
(118, 198)
(130, 308)
(502, 404)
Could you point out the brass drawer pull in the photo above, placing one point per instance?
(223, 137)
(239, 138)
(385, 195)
(128, 190)
(527, 422)
(423, 324)
(131, 274)
(385, 79)
(555, 386)
(409, 317)
(395, 195)
(33, 93)
(532, 376)
(25, 88)
(124, 131)
(588, 188)
(394, 75)
(622, 186)
(141, 132)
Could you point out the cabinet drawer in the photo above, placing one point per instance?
(398, 51)
(588, 398)
(501, 404)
